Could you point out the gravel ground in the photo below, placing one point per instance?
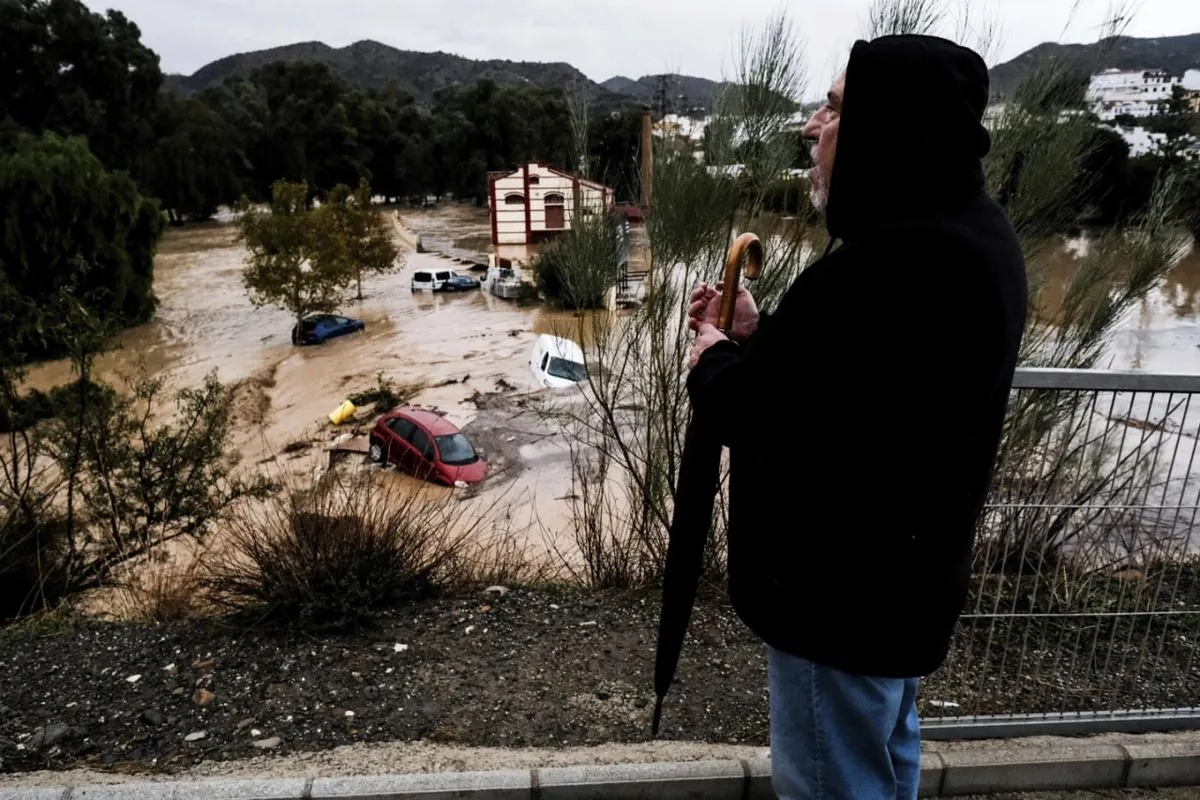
(524, 670)
(529, 669)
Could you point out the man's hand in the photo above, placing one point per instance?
(705, 306)
(706, 337)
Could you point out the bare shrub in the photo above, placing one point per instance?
(627, 425)
(166, 593)
(337, 554)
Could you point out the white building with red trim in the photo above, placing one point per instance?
(536, 202)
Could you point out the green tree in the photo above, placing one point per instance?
(75, 72)
(394, 132)
(295, 261)
(70, 222)
(142, 484)
(303, 129)
(197, 164)
(615, 144)
(1178, 104)
(578, 268)
(359, 235)
(483, 127)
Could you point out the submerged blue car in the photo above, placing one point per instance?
(460, 283)
(316, 328)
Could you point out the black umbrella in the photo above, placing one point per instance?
(699, 475)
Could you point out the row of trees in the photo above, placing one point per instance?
(75, 72)
(299, 122)
(79, 111)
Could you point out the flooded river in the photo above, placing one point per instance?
(450, 345)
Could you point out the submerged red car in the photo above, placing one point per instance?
(427, 446)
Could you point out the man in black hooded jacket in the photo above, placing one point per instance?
(864, 417)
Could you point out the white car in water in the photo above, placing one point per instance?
(557, 362)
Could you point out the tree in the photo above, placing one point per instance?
(615, 143)
(198, 163)
(294, 262)
(359, 235)
(1178, 104)
(69, 222)
(1106, 191)
(579, 268)
(483, 127)
(74, 72)
(304, 130)
(143, 484)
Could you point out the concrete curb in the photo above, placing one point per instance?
(407, 236)
(1052, 765)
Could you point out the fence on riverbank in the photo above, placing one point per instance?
(1085, 601)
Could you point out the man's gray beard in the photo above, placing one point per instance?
(819, 198)
(817, 193)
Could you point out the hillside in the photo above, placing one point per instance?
(678, 92)
(1176, 54)
(374, 65)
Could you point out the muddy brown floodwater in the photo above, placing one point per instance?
(454, 346)
(1161, 334)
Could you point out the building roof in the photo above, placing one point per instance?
(561, 173)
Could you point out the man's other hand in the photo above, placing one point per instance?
(705, 306)
(706, 337)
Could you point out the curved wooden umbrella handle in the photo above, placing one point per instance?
(746, 247)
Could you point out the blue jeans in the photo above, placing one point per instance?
(837, 736)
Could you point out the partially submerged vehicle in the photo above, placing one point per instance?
(317, 328)
(556, 362)
(442, 280)
(505, 282)
(427, 446)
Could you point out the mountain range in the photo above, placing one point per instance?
(1175, 54)
(374, 65)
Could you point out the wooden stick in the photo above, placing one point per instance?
(747, 247)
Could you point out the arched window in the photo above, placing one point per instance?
(534, 180)
(514, 199)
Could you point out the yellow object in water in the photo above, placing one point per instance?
(342, 413)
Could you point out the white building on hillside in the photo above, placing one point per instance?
(1138, 93)
(687, 127)
(1191, 80)
(536, 202)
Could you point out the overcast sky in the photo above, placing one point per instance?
(601, 37)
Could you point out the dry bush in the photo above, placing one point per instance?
(336, 554)
(166, 594)
(626, 426)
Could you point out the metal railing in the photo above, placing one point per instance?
(1084, 606)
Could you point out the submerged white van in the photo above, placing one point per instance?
(442, 280)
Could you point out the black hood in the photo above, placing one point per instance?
(911, 138)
